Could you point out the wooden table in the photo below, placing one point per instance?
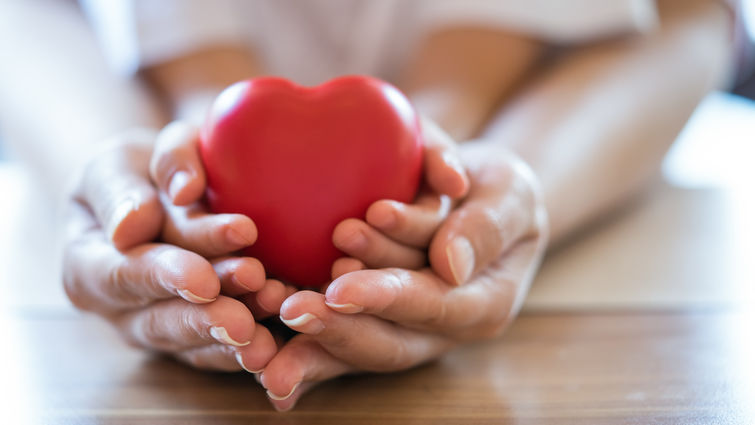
(645, 319)
(567, 368)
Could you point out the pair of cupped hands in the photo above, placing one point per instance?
(143, 251)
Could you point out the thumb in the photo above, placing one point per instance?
(115, 186)
(501, 209)
(176, 166)
(444, 171)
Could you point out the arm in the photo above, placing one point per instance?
(58, 98)
(596, 126)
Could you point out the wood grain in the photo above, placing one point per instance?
(549, 368)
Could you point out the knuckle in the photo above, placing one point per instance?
(153, 331)
(212, 240)
(341, 341)
(492, 220)
(440, 318)
(118, 287)
(398, 358)
(491, 228)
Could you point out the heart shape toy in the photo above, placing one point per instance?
(298, 160)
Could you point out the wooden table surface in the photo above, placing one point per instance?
(550, 368)
(645, 319)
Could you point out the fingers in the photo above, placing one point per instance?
(178, 171)
(175, 325)
(267, 301)
(420, 299)
(501, 208)
(97, 277)
(239, 275)
(297, 367)
(176, 166)
(410, 224)
(209, 235)
(364, 341)
(345, 265)
(443, 168)
(252, 357)
(359, 240)
(116, 188)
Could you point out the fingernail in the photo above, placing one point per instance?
(178, 181)
(240, 359)
(461, 259)
(347, 308)
(193, 298)
(238, 237)
(306, 323)
(388, 219)
(240, 282)
(120, 212)
(281, 398)
(221, 334)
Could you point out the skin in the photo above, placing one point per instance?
(483, 231)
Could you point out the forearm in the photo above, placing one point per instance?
(58, 98)
(596, 127)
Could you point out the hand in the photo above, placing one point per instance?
(395, 234)
(179, 174)
(157, 295)
(393, 319)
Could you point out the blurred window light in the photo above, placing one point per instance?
(717, 147)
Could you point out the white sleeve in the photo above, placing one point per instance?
(558, 21)
(139, 33)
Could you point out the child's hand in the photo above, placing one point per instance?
(159, 296)
(393, 319)
(396, 234)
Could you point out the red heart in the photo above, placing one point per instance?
(298, 160)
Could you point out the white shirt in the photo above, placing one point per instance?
(310, 41)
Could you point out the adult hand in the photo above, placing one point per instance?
(159, 296)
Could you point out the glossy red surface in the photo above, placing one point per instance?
(298, 160)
